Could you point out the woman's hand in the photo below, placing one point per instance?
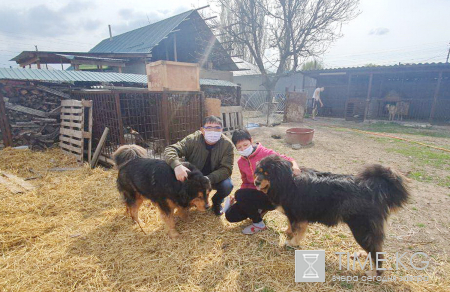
(295, 168)
(296, 171)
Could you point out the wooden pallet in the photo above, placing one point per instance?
(75, 130)
(232, 118)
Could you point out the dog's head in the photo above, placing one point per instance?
(270, 171)
(197, 188)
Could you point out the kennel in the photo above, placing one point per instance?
(150, 119)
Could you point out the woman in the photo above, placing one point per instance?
(248, 201)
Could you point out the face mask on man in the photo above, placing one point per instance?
(247, 151)
(212, 136)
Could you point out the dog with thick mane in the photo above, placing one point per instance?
(363, 202)
(142, 178)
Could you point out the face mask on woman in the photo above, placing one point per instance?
(247, 151)
(212, 136)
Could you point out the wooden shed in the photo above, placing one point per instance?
(421, 92)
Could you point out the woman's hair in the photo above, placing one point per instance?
(240, 135)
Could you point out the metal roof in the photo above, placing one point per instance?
(374, 69)
(246, 68)
(85, 76)
(140, 40)
(214, 82)
(69, 76)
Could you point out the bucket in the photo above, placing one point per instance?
(302, 136)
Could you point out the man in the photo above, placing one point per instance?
(211, 152)
(316, 99)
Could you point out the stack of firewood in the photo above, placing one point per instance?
(33, 112)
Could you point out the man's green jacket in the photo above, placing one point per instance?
(193, 149)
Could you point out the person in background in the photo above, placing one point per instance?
(211, 152)
(316, 100)
(248, 202)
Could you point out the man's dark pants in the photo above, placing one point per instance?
(223, 188)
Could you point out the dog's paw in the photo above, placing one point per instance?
(291, 243)
(288, 233)
(359, 254)
(372, 273)
(173, 234)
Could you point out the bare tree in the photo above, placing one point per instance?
(279, 34)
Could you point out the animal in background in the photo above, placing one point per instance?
(402, 109)
(392, 109)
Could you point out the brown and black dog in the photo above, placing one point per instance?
(363, 202)
(144, 178)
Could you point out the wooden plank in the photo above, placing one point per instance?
(71, 140)
(53, 91)
(70, 148)
(86, 103)
(66, 124)
(87, 135)
(5, 127)
(100, 145)
(55, 112)
(71, 103)
(73, 133)
(226, 121)
(10, 186)
(27, 110)
(69, 117)
(230, 109)
(90, 119)
(17, 180)
(14, 183)
(106, 160)
(71, 110)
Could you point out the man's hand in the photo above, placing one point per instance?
(181, 172)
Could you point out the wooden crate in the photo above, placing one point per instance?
(232, 118)
(173, 76)
(74, 130)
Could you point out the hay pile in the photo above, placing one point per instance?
(72, 234)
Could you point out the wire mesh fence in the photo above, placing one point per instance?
(262, 107)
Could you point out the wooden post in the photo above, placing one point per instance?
(4, 124)
(436, 94)
(165, 117)
(366, 110)
(348, 94)
(175, 47)
(238, 95)
(119, 118)
(99, 147)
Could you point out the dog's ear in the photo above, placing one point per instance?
(183, 195)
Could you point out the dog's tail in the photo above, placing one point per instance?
(126, 153)
(388, 186)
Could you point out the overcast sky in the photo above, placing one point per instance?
(386, 32)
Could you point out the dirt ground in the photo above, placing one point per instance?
(72, 234)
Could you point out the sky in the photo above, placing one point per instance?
(385, 33)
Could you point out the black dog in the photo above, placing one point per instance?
(140, 177)
(363, 202)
